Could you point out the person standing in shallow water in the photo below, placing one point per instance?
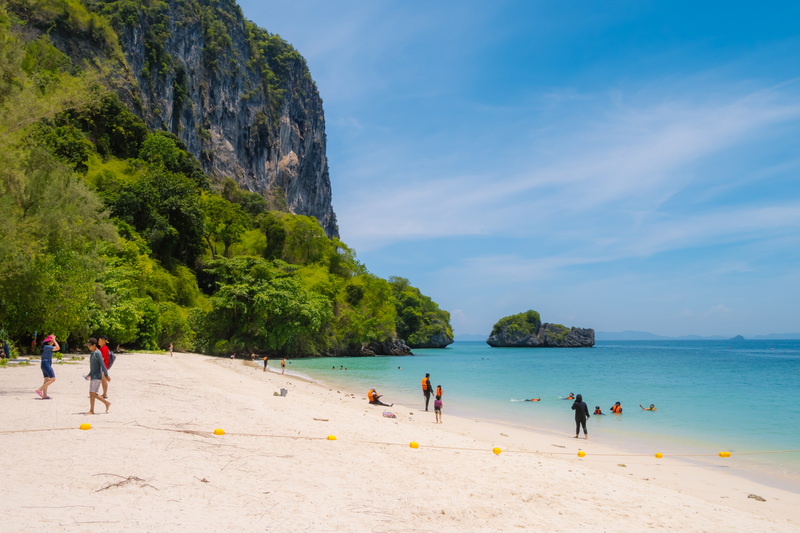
(581, 416)
(427, 389)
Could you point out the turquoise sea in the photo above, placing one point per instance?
(740, 396)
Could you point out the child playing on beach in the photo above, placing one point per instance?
(437, 408)
(97, 369)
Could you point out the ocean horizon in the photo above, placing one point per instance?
(710, 396)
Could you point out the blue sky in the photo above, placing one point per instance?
(628, 165)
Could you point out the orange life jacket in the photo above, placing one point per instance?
(371, 395)
(616, 409)
(598, 412)
(438, 391)
(425, 383)
(570, 397)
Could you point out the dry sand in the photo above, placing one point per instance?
(153, 463)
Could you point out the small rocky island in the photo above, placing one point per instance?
(525, 330)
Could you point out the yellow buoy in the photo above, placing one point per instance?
(659, 455)
(497, 451)
(331, 437)
(219, 431)
(581, 453)
(414, 445)
(86, 425)
(724, 454)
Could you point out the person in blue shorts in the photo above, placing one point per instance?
(49, 346)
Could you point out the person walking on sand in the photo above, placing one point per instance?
(266, 362)
(49, 346)
(170, 349)
(102, 342)
(437, 408)
(427, 389)
(581, 415)
(283, 365)
(97, 369)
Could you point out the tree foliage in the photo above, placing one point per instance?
(111, 228)
(527, 323)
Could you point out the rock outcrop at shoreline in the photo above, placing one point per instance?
(438, 340)
(387, 347)
(526, 330)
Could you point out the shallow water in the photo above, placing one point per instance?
(711, 395)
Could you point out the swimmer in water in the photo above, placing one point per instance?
(651, 408)
(570, 397)
(597, 410)
(534, 400)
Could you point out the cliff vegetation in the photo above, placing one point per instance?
(113, 225)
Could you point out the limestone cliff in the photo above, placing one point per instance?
(240, 98)
(526, 330)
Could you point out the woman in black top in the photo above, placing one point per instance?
(581, 415)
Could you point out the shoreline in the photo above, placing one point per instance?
(275, 468)
(635, 444)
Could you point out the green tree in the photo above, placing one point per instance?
(225, 222)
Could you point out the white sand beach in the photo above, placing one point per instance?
(153, 463)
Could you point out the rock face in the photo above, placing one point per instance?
(241, 100)
(439, 340)
(387, 347)
(546, 336)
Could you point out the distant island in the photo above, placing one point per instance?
(647, 336)
(526, 330)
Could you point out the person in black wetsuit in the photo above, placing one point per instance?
(581, 415)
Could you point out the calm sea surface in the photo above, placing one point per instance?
(711, 395)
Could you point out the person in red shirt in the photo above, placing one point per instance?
(104, 351)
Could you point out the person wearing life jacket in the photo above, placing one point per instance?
(570, 397)
(533, 400)
(597, 410)
(374, 398)
(439, 390)
(616, 409)
(427, 389)
(651, 408)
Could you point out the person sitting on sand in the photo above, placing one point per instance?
(651, 408)
(534, 400)
(570, 397)
(597, 410)
(374, 398)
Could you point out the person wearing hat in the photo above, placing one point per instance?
(49, 346)
(102, 342)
